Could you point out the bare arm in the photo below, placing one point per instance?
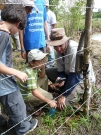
(10, 71)
(46, 29)
(51, 103)
(21, 39)
(23, 53)
(53, 20)
(53, 26)
(47, 34)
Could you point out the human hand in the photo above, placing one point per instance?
(3, 28)
(61, 102)
(53, 104)
(48, 49)
(23, 54)
(61, 83)
(54, 86)
(42, 64)
(22, 76)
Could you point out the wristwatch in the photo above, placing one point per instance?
(23, 50)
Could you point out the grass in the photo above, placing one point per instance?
(75, 125)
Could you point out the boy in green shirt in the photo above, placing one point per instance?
(35, 88)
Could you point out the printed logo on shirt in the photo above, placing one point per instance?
(35, 21)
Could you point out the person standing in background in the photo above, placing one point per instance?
(28, 5)
(51, 19)
(34, 37)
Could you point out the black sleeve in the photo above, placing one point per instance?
(4, 38)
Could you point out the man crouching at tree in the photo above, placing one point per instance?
(67, 49)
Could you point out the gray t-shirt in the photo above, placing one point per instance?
(4, 48)
(51, 19)
(8, 85)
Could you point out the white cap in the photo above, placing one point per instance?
(24, 2)
(36, 54)
(46, 2)
(28, 3)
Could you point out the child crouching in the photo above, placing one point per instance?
(35, 89)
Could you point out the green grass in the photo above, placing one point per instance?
(76, 123)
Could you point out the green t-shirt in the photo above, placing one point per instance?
(30, 84)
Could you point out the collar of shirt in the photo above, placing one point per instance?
(65, 51)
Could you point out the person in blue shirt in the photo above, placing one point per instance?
(33, 36)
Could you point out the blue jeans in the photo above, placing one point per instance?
(16, 109)
(71, 80)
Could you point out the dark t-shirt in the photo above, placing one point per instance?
(8, 85)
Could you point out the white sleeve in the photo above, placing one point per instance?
(91, 73)
(53, 18)
(72, 59)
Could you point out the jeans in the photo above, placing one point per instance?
(71, 80)
(16, 109)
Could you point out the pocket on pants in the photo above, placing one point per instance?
(16, 103)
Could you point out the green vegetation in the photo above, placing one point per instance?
(54, 2)
(75, 125)
(97, 14)
(69, 17)
(73, 18)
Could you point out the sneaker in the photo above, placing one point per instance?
(34, 124)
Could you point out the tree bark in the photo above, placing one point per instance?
(87, 44)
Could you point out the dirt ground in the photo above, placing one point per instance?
(64, 130)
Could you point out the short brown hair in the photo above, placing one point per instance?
(14, 13)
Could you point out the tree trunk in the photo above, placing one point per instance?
(87, 44)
